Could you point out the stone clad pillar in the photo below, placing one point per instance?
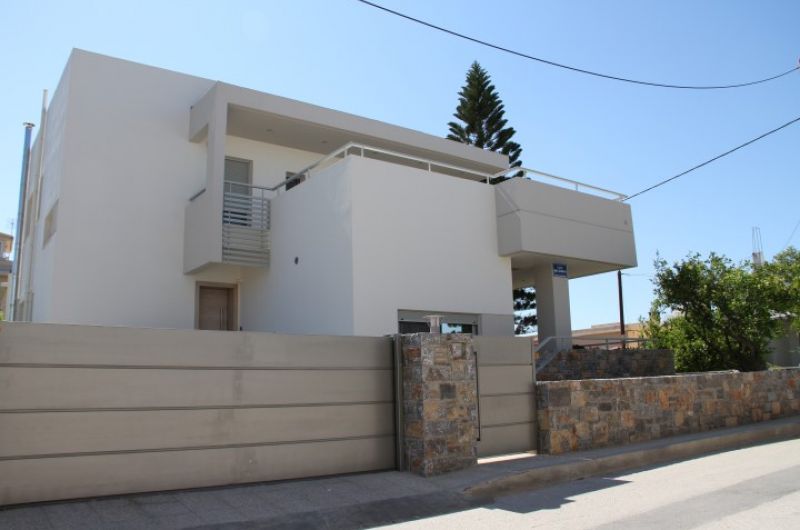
(440, 402)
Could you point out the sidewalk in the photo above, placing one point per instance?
(373, 499)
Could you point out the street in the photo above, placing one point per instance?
(756, 487)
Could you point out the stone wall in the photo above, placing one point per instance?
(605, 364)
(587, 414)
(440, 402)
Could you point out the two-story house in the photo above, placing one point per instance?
(168, 200)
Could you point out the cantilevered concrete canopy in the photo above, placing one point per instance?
(290, 123)
(553, 234)
(539, 224)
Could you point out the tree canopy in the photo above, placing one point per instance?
(481, 116)
(722, 315)
(482, 123)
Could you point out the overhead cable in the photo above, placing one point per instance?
(726, 153)
(574, 68)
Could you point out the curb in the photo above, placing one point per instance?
(591, 466)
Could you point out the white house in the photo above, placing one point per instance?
(159, 199)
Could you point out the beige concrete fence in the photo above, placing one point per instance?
(507, 395)
(88, 411)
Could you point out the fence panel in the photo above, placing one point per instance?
(89, 411)
(507, 397)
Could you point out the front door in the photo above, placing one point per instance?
(216, 308)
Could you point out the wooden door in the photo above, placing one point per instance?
(215, 311)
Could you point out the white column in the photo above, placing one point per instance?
(552, 304)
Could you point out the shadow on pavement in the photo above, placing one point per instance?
(417, 507)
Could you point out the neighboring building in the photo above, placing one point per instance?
(600, 336)
(160, 199)
(601, 332)
(6, 245)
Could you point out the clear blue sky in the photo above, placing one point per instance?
(346, 56)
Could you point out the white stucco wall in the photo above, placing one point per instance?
(422, 241)
(270, 162)
(128, 171)
(47, 171)
(313, 223)
(360, 231)
(553, 221)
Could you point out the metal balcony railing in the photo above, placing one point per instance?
(245, 224)
(365, 151)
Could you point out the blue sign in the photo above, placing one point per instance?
(559, 270)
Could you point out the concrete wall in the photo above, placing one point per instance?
(38, 274)
(313, 223)
(552, 221)
(422, 241)
(359, 230)
(577, 415)
(606, 364)
(89, 411)
(126, 172)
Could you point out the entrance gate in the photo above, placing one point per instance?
(506, 394)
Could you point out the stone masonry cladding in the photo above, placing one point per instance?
(606, 364)
(587, 414)
(440, 403)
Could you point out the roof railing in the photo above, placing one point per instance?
(365, 151)
(534, 174)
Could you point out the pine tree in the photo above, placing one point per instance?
(524, 314)
(481, 113)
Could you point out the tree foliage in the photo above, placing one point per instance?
(785, 269)
(481, 116)
(723, 314)
(524, 310)
(482, 123)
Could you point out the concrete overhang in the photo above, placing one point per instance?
(287, 122)
(540, 224)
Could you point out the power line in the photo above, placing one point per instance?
(572, 68)
(792, 234)
(726, 153)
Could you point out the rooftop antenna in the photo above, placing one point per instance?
(758, 249)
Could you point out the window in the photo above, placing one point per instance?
(237, 209)
(238, 171)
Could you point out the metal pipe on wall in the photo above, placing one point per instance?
(23, 184)
(36, 205)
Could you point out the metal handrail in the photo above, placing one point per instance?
(346, 149)
(597, 341)
(229, 183)
(362, 148)
(486, 177)
(574, 183)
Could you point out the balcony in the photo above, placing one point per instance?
(245, 225)
(586, 228)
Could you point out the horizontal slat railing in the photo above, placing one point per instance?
(245, 225)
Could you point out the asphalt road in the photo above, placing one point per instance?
(756, 487)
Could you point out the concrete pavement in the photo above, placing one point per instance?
(750, 488)
(376, 499)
